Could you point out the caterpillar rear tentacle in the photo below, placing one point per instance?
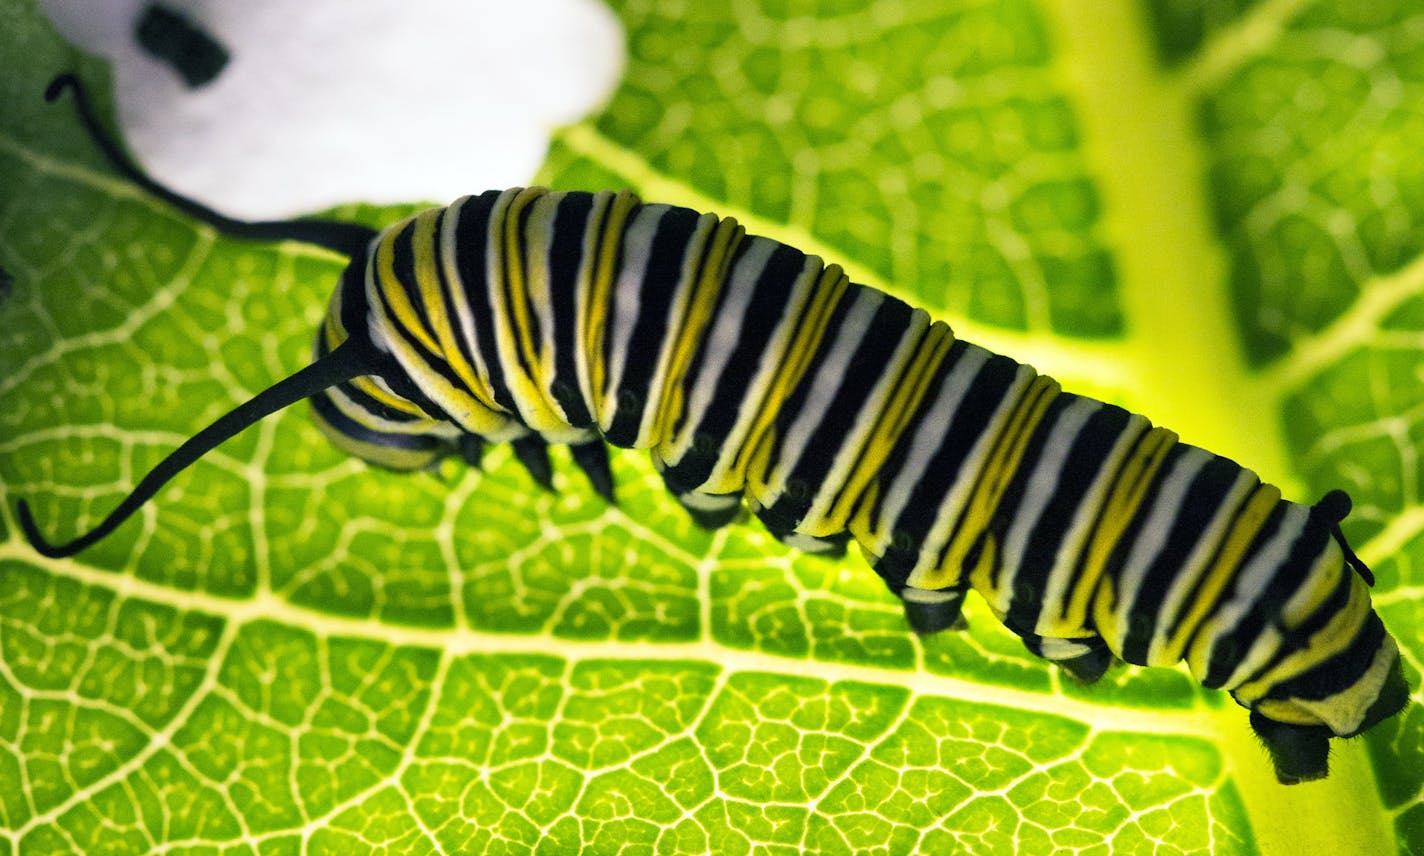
(755, 375)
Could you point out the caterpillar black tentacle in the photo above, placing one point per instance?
(758, 377)
(349, 239)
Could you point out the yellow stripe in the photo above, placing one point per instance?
(428, 278)
(471, 399)
(334, 334)
(536, 239)
(750, 460)
(1330, 641)
(1244, 529)
(516, 292)
(718, 259)
(1317, 587)
(390, 457)
(518, 334)
(901, 407)
(1003, 462)
(370, 387)
(456, 401)
(862, 526)
(471, 372)
(1119, 510)
(605, 264)
(690, 273)
(393, 291)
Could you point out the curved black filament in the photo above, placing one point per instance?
(1334, 507)
(351, 359)
(349, 239)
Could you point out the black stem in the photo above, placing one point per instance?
(1334, 507)
(1355, 562)
(349, 239)
(349, 360)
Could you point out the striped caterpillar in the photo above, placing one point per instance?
(756, 376)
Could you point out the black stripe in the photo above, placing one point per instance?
(873, 352)
(565, 257)
(1203, 499)
(403, 267)
(766, 310)
(525, 260)
(378, 408)
(1339, 672)
(1325, 611)
(1112, 567)
(323, 405)
(895, 461)
(471, 235)
(1194, 592)
(1084, 462)
(652, 327)
(985, 394)
(1298, 638)
(1228, 649)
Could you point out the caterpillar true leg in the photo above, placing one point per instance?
(592, 458)
(533, 453)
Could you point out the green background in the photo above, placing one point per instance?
(1209, 212)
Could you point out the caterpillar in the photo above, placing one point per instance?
(758, 377)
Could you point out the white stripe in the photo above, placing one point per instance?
(910, 594)
(1344, 711)
(869, 414)
(1062, 649)
(829, 375)
(459, 289)
(716, 349)
(952, 506)
(626, 302)
(708, 501)
(769, 363)
(1175, 602)
(598, 215)
(1064, 576)
(1043, 484)
(926, 441)
(540, 227)
(1152, 534)
(674, 330)
(1249, 584)
(1303, 659)
(807, 543)
(373, 421)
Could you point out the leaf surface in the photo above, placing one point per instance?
(1206, 212)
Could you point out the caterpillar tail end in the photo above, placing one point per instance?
(39, 542)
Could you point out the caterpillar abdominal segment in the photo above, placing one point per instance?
(756, 376)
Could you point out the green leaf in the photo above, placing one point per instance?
(1208, 212)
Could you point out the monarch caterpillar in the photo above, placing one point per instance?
(753, 373)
